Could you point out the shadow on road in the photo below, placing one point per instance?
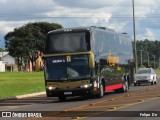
(45, 100)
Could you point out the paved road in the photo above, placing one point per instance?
(139, 98)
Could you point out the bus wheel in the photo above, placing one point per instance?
(124, 88)
(101, 92)
(62, 98)
(48, 95)
(135, 84)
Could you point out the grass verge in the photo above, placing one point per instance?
(20, 83)
(157, 71)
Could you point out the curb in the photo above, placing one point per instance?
(22, 96)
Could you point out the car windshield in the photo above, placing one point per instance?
(144, 71)
(67, 67)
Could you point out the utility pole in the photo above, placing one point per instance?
(154, 61)
(159, 62)
(141, 57)
(2, 53)
(148, 59)
(135, 54)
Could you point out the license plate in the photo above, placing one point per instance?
(67, 93)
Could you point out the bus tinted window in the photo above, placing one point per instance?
(67, 42)
(111, 44)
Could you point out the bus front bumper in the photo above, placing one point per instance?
(70, 92)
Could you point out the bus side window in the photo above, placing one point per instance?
(106, 70)
(103, 64)
(96, 68)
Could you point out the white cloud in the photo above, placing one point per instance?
(147, 35)
(143, 8)
(25, 7)
(5, 26)
(9, 26)
(145, 3)
(118, 27)
(115, 14)
(92, 4)
(3, 1)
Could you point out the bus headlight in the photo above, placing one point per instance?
(50, 87)
(86, 86)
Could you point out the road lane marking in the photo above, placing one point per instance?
(110, 110)
(149, 94)
(108, 100)
(119, 98)
(122, 96)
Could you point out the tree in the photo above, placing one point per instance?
(148, 47)
(1, 49)
(25, 41)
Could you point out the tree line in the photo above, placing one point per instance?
(148, 53)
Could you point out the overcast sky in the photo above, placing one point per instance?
(115, 14)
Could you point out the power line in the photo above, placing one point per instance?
(77, 16)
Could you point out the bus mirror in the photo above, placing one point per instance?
(91, 60)
(130, 61)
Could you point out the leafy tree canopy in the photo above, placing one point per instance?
(1, 49)
(28, 38)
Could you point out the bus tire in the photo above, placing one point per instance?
(62, 98)
(101, 91)
(135, 84)
(48, 94)
(124, 88)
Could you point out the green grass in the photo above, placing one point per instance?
(157, 71)
(19, 83)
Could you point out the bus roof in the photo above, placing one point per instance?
(91, 28)
(81, 29)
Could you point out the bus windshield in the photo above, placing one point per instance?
(60, 68)
(67, 42)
